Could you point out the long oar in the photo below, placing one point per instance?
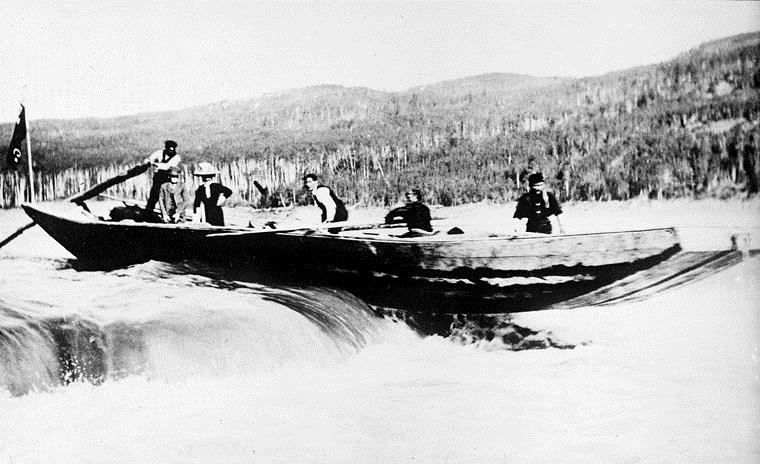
(105, 185)
(17, 233)
(129, 201)
(126, 201)
(329, 225)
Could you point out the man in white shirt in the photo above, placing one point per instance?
(333, 209)
(163, 161)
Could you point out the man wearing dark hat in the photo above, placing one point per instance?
(163, 161)
(414, 213)
(537, 206)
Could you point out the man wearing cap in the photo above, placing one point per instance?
(414, 213)
(538, 206)
(173, 199)
(162, 160)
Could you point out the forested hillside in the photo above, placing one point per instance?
(686, 127)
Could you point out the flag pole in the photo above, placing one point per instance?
(29, 153)
(31, 174)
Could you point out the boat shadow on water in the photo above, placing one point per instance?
(475, 301)
(463, 292)
(456, 308)
(476, 305)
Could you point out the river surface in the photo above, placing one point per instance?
(177, 363)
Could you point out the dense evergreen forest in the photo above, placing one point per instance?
(686, 127)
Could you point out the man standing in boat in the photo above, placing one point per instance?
(538, 206)
(333, 209)
(163, 161)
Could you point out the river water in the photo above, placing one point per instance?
(174, 363)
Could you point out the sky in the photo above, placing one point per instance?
(96, 58)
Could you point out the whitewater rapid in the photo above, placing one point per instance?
(176, 363)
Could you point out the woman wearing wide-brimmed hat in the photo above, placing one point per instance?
(210, 196)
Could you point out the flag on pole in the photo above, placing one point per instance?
(13, 157)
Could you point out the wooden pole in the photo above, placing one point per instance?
(29, 153)
(103, 186)
(18, 232)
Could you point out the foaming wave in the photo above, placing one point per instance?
(162, 322)
(27, 360)
(490, 332)
(337, 312)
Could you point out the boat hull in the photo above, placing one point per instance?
(123, 243)
(449, 256)
(438, 274)
(119, 243)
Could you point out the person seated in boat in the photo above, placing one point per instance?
(162, 161)
(173, 199)
(210, 196)
(414, 213)
(536, 207)
(333, 209)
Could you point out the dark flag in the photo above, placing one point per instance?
(14, 149)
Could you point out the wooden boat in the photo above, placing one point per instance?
(467, 273)
(453, 256)
(441, 274)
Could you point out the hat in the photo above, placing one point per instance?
(173, 171)
(205, 169)
(536, 178)
(170, 144)
(416, 192)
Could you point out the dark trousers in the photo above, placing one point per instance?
(541, 226)
(159, 179)
(341, 214)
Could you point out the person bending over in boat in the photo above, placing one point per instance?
(333, 209)
(163, 161)
(538, 206)
(173, 199)
(414, 213)
(210, 196)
